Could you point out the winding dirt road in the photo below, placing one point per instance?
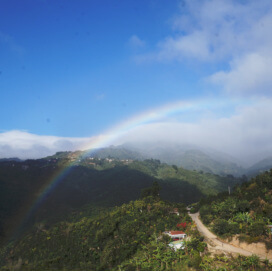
(214, 243)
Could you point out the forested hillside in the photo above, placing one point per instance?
(246, 212)
(108, 241)
(99, 182)
(259, 167)
(78, 226)
(129, 237)
(189, 157)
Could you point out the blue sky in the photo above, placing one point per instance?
(67, 66)
(74, 69)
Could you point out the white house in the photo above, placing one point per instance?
(176, 234)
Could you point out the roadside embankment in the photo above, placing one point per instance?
(234, 246)
(256, 248)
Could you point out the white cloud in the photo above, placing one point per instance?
(217, 30)
(24, 145)
(234, 34)
(196, 46)
(249, 74)
(246, 134)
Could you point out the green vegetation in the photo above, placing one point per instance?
(117, 152)
(189, 157)
(241, 263)
(79, 226)
(205, 183)
(105, 242)
(128, 237)
(92, 219)
(245, 212)
(97, 182)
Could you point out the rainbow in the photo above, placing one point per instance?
(124, 127)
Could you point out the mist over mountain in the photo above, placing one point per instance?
(260, 167)
(190, 157)
(119, 152)
(147, 143)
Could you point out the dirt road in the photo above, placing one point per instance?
(215, 243)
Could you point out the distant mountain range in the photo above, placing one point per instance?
(192, 158)
(10, 159)
(260, 167)
(187, 156)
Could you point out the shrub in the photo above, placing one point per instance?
(221, 226)
(195, 259)
(257, 229)
(234, 228)
(243, 206)
(268, 245)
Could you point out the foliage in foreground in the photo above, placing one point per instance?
(127, 238)
(100, 243)
(246, 212)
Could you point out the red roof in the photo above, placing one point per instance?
(176, 232)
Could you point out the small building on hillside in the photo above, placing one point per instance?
(176, 234)
(175, 211)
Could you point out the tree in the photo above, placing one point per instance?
(234, 228)
(243, 206)
(205, 213)
(257, 229)
(175, 168)
(221, 226)
(243, 217)
(152, 191)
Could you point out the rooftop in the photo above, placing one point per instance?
(175, 232)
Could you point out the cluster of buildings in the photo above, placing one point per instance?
(92, 161)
